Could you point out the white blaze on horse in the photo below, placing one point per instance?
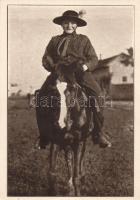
(61, 86)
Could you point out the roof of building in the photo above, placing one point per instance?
(105, 62)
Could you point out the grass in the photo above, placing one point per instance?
(108, 172)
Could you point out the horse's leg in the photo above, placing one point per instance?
(69, 161)
(54, 149)
(83, 148)
(78, 156)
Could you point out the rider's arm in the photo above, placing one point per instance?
(90, 55)
(47, 60)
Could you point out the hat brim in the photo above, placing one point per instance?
(59, 20)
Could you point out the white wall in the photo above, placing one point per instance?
(119, 70)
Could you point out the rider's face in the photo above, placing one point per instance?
(69, 26)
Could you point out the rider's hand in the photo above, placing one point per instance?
(85, 68)
(66, 61)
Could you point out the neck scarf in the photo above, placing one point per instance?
(63, 44)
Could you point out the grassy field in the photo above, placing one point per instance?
(109, 172)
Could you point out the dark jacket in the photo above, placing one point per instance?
(80, 46)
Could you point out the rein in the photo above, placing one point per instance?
(76, 86)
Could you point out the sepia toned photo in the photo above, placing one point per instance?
(70, 100)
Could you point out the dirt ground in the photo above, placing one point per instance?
(108, 172)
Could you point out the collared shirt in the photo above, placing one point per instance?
(79, 45)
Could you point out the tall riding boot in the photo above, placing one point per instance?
(98, 135)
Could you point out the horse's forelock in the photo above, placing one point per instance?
(67, 72)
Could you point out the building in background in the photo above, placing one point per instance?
(120, 75)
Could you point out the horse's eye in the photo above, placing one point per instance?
(67, 92)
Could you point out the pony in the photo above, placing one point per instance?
(75, 124)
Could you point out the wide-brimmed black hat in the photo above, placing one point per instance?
(72, 15)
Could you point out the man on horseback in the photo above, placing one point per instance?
(65, 50)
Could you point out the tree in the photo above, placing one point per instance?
(129, 59)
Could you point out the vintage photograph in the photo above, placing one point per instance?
(70, 100)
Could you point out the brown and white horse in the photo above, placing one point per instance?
(76, 121)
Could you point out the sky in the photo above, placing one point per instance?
(110, 29)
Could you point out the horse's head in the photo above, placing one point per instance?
(69, 66)
(65, 73)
